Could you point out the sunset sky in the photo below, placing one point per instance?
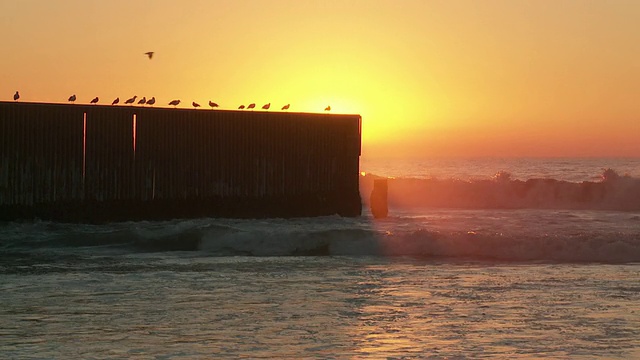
(430, 78)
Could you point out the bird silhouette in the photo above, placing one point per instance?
(16, 96)
(286, 107)
(143, 100)
(266, 106)
(149, 54)
(72, 98)
(131, 100)
(174, 103)
(114, 102)
(195, 104)
(241, 107)
(328, 108)
(151, 101)
(251, 106)
(95, 100)
(212, 104)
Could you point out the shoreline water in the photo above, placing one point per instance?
(426, 282)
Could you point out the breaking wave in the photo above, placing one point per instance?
(498, 219)
(611, 192)
(30, 243)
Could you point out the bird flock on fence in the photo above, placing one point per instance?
(173, 103)
(151, 101)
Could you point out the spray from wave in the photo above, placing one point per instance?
(499, 219)
(612, 192)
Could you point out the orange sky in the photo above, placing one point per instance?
(430, 78)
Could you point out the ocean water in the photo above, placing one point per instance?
(541, 261)
(569, 169)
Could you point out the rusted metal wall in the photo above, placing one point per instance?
(135, 155)
(109, 154)
(187, 154)
(40, 154)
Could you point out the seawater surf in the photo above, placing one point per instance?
(611, 192)
(479, 235)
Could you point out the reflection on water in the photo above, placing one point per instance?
(329, 307)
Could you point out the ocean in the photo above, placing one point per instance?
(478, 258)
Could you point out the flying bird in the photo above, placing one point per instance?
(151, 101)
(195, 104)
(149, 54)
(143, 100)
(16, 96)
(241, 107)
(328, 108)
(95, 100)
(286, 107)
(212, 104)
(131, 100)
(174, 103)
(266, 106)
(72, 98)
(114, 102)
(251, 106)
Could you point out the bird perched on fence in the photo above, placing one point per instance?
(241, 107)
(286, 107)
(115, 101)
(328, 108)
(174, 102)
(131, 100)
(251, 106)
(72, 98)
(151, 101)
(143, 100)
(195, 104)
(95, 100)
(266, 106)
(149, 54)
(16, 96)
(212, 104)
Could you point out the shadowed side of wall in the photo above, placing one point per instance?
(100, 163)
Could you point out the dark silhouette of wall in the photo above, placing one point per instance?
(92, 163)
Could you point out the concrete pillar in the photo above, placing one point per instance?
(378, 199)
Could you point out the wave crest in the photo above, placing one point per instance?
(612, 192)
(210, 237)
